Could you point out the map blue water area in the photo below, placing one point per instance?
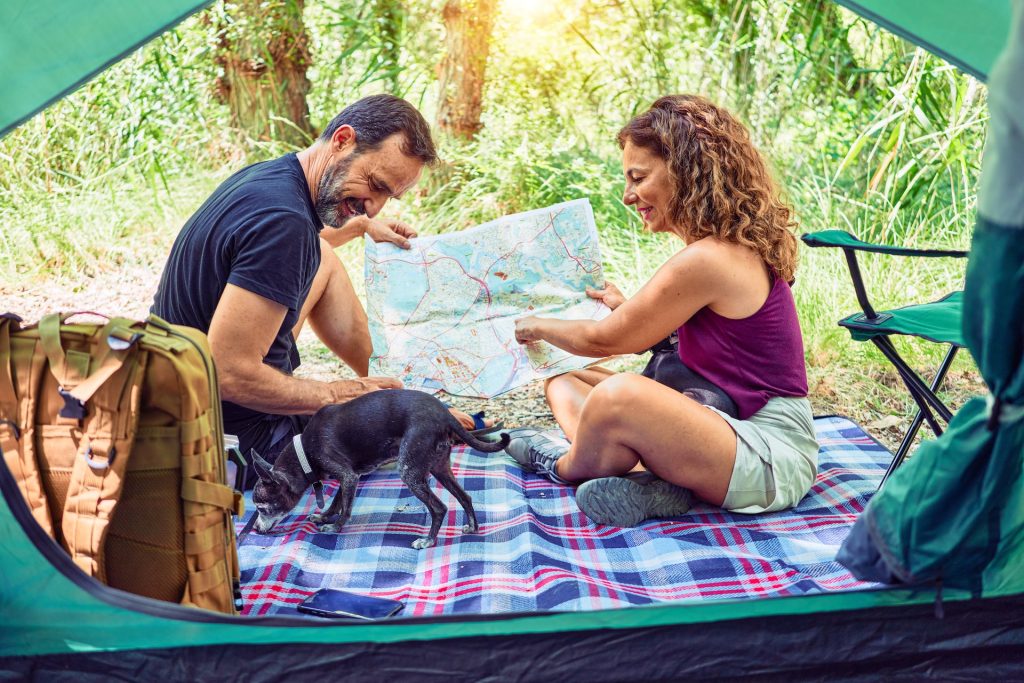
(503, 285)
(406, 284)
(508, 366)
(463, 252)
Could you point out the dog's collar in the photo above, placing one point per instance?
(307, 471)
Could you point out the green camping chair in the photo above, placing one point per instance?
(938, 321)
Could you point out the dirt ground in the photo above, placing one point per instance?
(872, 399)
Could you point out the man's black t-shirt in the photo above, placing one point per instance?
(258, 231)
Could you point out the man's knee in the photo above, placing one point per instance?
(330, 266)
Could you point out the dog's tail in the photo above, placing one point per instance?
(478, 444)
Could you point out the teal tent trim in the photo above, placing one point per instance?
(50, 48)
(49, 606)
(955, 512)
(965, 33)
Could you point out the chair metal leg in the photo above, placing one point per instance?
(916, 388)
(914, 383)
(915, 426)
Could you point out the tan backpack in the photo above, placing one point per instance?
(114, 434)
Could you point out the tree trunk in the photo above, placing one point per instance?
(264, 53)
(468, 26)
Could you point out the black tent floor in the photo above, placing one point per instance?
(973, 641)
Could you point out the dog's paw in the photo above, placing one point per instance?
(470, 528)
(316, 518)
(329, 528)
(425, 542)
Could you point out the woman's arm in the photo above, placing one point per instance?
(682, 286)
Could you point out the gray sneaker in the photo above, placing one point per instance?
(628, 501)
(538, 451)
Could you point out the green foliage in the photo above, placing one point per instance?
(865, 133)
(75, 179)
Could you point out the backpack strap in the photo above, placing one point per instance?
(17, 412)
(113, 393)
(75, 384)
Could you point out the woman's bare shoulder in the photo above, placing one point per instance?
(712, 256)
(735, 276)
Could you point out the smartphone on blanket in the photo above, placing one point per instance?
(338, 604)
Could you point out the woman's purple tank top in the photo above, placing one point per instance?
(752, 359)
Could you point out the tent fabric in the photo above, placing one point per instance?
(955, 512)
(975, 639)
(966, 33)
(938, 321)
(537, 552)
(49, 48)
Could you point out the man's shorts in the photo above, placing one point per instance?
(776, 457)
(267, 436)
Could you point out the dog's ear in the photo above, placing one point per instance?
(263, 468)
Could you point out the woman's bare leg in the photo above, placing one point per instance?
(567, 393)
(629, 419)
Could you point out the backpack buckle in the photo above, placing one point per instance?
(14, 428)
(94, 463)
(121, 340)
(73, 408)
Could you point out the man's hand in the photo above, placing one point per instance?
(610, 296)
(347, 389)
(379, 230)
(389, 230)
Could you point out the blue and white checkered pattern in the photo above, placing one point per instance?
(536, 551)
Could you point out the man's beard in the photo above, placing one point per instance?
(329, 196)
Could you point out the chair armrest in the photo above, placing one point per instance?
(844, 240)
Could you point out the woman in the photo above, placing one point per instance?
(642, 448)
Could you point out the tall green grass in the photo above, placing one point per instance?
(865, 134)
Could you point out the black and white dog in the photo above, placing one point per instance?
(346, 440)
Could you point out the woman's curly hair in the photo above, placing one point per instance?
(723, 187)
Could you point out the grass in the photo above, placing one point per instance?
(888, 149)
(137, 223)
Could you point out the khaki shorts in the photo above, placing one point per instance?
(776, 457)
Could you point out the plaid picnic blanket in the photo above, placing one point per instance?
(536, 551)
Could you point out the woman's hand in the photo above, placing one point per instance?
(527, 330)
(610, 296)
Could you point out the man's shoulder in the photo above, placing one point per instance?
(276, 180)
(274, 189)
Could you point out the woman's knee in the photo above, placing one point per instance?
(559, 384)
(617, 398)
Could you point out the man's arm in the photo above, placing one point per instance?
(243, 328)
(379, 230)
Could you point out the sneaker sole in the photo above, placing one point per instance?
(621, 502)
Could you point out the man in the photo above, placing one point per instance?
(256, 261)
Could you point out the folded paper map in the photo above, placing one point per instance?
(442, 314)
